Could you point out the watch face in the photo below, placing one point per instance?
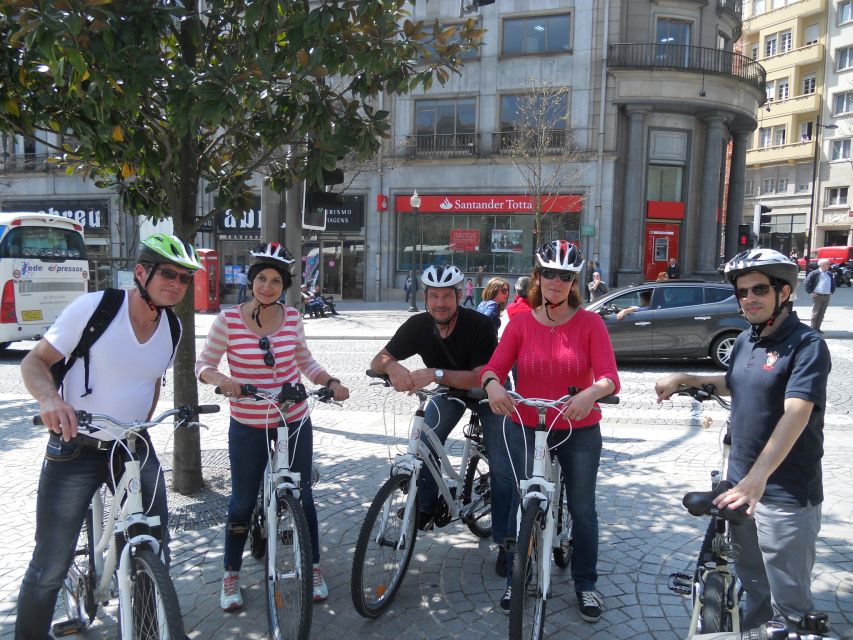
(439, 373)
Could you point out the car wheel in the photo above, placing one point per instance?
(721, 350)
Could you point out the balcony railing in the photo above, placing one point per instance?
(552, 141)
(681, 57)
(35, 162)
(442, 145)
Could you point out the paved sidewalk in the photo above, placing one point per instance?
(652, 455)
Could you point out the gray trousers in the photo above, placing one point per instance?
(777, 555)
(821, 302)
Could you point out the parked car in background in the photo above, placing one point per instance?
(685, 319)
(835, 255)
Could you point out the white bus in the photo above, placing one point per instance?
(43, 268)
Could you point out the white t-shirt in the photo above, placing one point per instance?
(122, 372)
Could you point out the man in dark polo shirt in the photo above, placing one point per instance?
(454, 342)
(777, 379)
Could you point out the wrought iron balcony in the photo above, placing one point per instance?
(26, 162)
(551, 141)
(442, 145)
(679, 57)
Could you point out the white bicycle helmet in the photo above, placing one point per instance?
(272, 252)
(767, 261)
(560, 254)
(442, 275)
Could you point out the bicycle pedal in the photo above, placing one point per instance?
(68, 628)
(681, 583)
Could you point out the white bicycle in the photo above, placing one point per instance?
(123, 553)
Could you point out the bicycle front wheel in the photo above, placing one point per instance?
(383, 550)
(527, 605)
(154, 610)
(477, 491)
(290, 589)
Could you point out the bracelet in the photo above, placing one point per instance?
(331, 380)
(488, 380)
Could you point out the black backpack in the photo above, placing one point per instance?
(100, 319)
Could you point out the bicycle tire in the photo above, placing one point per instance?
(290, 592)
(376, 580)
(477, 487)
(154, 609)
(563, 534)
(711, 615)
(527, 622)
(78, 588)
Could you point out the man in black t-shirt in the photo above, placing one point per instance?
(454, 342)
(777, 379)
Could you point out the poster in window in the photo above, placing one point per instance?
(507, 240)
(464, 239)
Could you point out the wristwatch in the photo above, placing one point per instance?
(439, 376)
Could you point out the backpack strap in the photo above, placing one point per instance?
(174, 329)
(107, 309)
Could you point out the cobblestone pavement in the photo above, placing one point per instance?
(652, 455)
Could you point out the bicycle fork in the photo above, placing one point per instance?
(282, 480)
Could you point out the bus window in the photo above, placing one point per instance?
(45, 243)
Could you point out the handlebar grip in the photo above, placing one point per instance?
(38, 421)
(245, 390)
(477, 393)
(208, 408)
(374, 374)
(82, 417)
(611, 399)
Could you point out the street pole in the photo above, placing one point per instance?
(415, 203)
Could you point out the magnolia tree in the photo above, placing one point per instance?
(163, 99)
(541, 146)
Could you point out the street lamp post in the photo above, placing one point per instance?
(815, 163)
(415, 203)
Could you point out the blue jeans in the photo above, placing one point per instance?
(241, 293)
(501, 463)
(70, 476)
(441, 416)
(579, 458)
(247, 452)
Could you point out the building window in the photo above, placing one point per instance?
(536, 34)
(778, 4)
(808, 84)
(770, 44)
(781, 185)
(664, 183)
(429, 52)
(748, 187)
(785, 42)
(811, 34)
(845, 11)
(672, 31)
(770, 89)
(764, 137)
(843, 58)
(755, 52)
(540, 120)
(757, 7)
(779, 134)
(841, 149)
(445, 126)
(782, 89)
(724, 42)
(806, 131)
(842, 103)
(768, 185)
(836, 197)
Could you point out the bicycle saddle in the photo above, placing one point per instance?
(701, 503)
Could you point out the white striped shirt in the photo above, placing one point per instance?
(230, 335)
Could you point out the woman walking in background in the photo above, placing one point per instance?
(495, 296)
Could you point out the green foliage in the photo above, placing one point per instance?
(160, 98)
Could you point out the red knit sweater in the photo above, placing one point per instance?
(550, 360)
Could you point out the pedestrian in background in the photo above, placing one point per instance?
(673, 271)
(520, 304)
(495, 296)
(469, 293)
(481, 272)
(242, 285)
(597, 288)
(819, 284)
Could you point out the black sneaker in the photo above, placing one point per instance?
(590, 604)
(500, 563)
(506, 599)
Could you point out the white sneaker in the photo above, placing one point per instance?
(321, 589)
(231, 599)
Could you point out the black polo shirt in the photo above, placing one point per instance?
(470, 345)
(792, 362)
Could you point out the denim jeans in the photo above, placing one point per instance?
(247, 452)
(579, 458)
(503, 481)
(70, 476)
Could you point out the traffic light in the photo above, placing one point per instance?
(743, 237)
(315, 205)
(761, 219)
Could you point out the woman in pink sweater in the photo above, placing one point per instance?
(264, 343)
(557, 346)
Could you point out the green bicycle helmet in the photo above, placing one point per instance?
(161, 248)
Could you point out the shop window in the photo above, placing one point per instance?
(536, 34)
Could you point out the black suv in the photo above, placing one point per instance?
(685, 319)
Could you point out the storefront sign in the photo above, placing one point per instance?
(249, 225)
(572, 203)
(348, 217)
(464, 239)
(93, 215)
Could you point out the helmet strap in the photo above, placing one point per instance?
(146, 297)
(757, 329)
(550, 305)
(259, 306)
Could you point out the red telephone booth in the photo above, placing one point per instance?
(207, 282)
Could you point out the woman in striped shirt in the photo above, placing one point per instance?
(264, 343)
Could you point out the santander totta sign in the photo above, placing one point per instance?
(571, 203)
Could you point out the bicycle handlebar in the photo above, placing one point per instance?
(703, 393)
(185, 412)
(475, 393)
(289, 393)
(555, 403)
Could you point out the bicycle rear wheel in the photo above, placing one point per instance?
(477, 490)
(78, 589)
(154, 610)
(563, 534)
(380, 565)
(527, 605)
(290, 590)
(712, 613)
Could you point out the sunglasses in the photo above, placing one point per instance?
(759, 290)
(269, 358)
(504, 289)
(550, 274)
(168, 274)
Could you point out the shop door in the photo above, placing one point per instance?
(661, 245)
(352, 270)
(330, 267)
